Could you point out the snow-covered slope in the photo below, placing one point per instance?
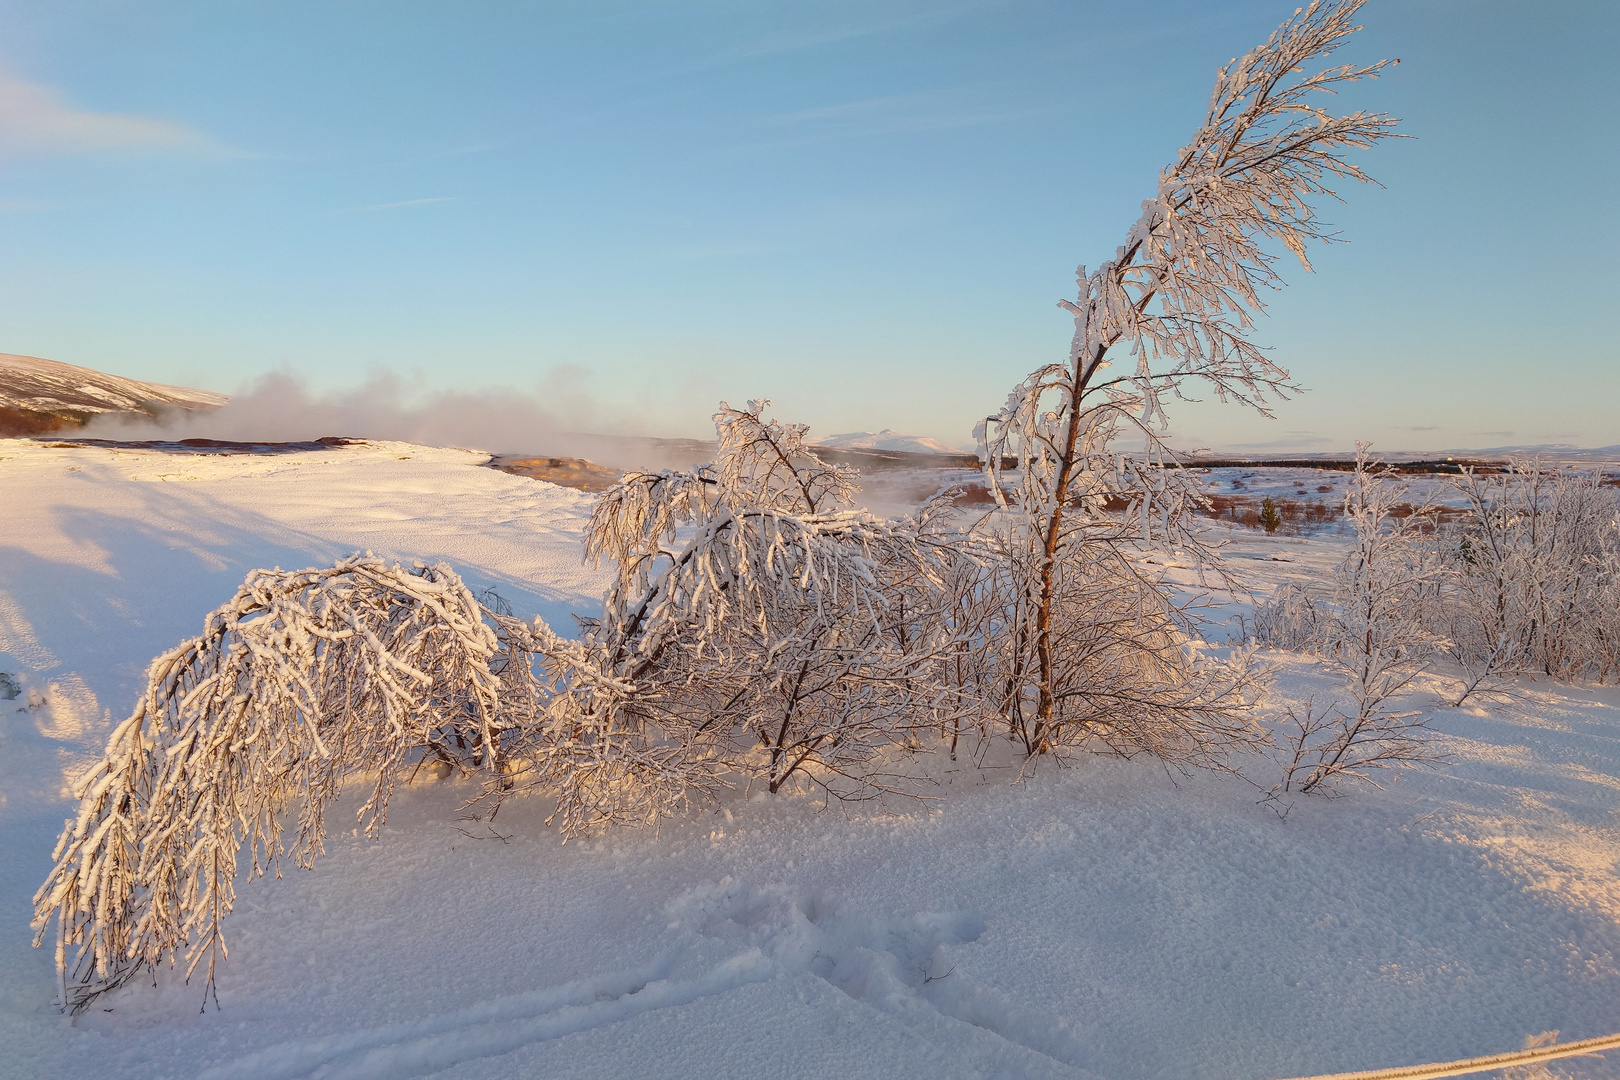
(887, 439)
(1107, 920)
(43, 395)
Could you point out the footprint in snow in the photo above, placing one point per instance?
(901, 966)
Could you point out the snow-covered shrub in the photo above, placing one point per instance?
(1376, 635)
(1326, 746)
(1533, 577)
(758, 622)
(1607, 626)
(1174, 306)
(591, 744)
(1291, 619)
(1090, 647)
(303, 681)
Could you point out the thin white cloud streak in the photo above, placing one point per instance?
(779, 42)
(405, 203)
(898, 114)
(807, 227)
(776, 44)
(34, 120)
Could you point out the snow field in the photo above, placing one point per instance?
(113, 555)
(1105, 919)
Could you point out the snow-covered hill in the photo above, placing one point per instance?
(38, 395)
(887, 439)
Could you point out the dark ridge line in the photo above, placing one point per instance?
(202, 446)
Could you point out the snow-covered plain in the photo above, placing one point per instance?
(1104, 920)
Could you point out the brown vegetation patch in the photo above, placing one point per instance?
(20, 423)
(1298, 515)
(568, 472)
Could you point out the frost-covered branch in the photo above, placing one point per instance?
(1376, 635)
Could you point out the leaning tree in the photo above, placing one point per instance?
(1174, 308)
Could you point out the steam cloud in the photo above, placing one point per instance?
(280, 407)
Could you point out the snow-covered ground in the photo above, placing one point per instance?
(1104, 920)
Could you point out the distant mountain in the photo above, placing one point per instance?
(1553, 451)
(887, 439)
(40, 396)
(1550, 452)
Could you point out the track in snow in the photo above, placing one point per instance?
(900, 966)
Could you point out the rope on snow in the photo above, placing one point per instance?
(1479, 1064)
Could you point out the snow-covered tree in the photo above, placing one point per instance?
(303, 681)
(1173, 307)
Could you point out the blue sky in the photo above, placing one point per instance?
(865, 211)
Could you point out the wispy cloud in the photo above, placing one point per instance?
(805, 226)
(897, 114)
(781, 42)
(821, 27)
(404, 203)
(864, 20)
(35, 120)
